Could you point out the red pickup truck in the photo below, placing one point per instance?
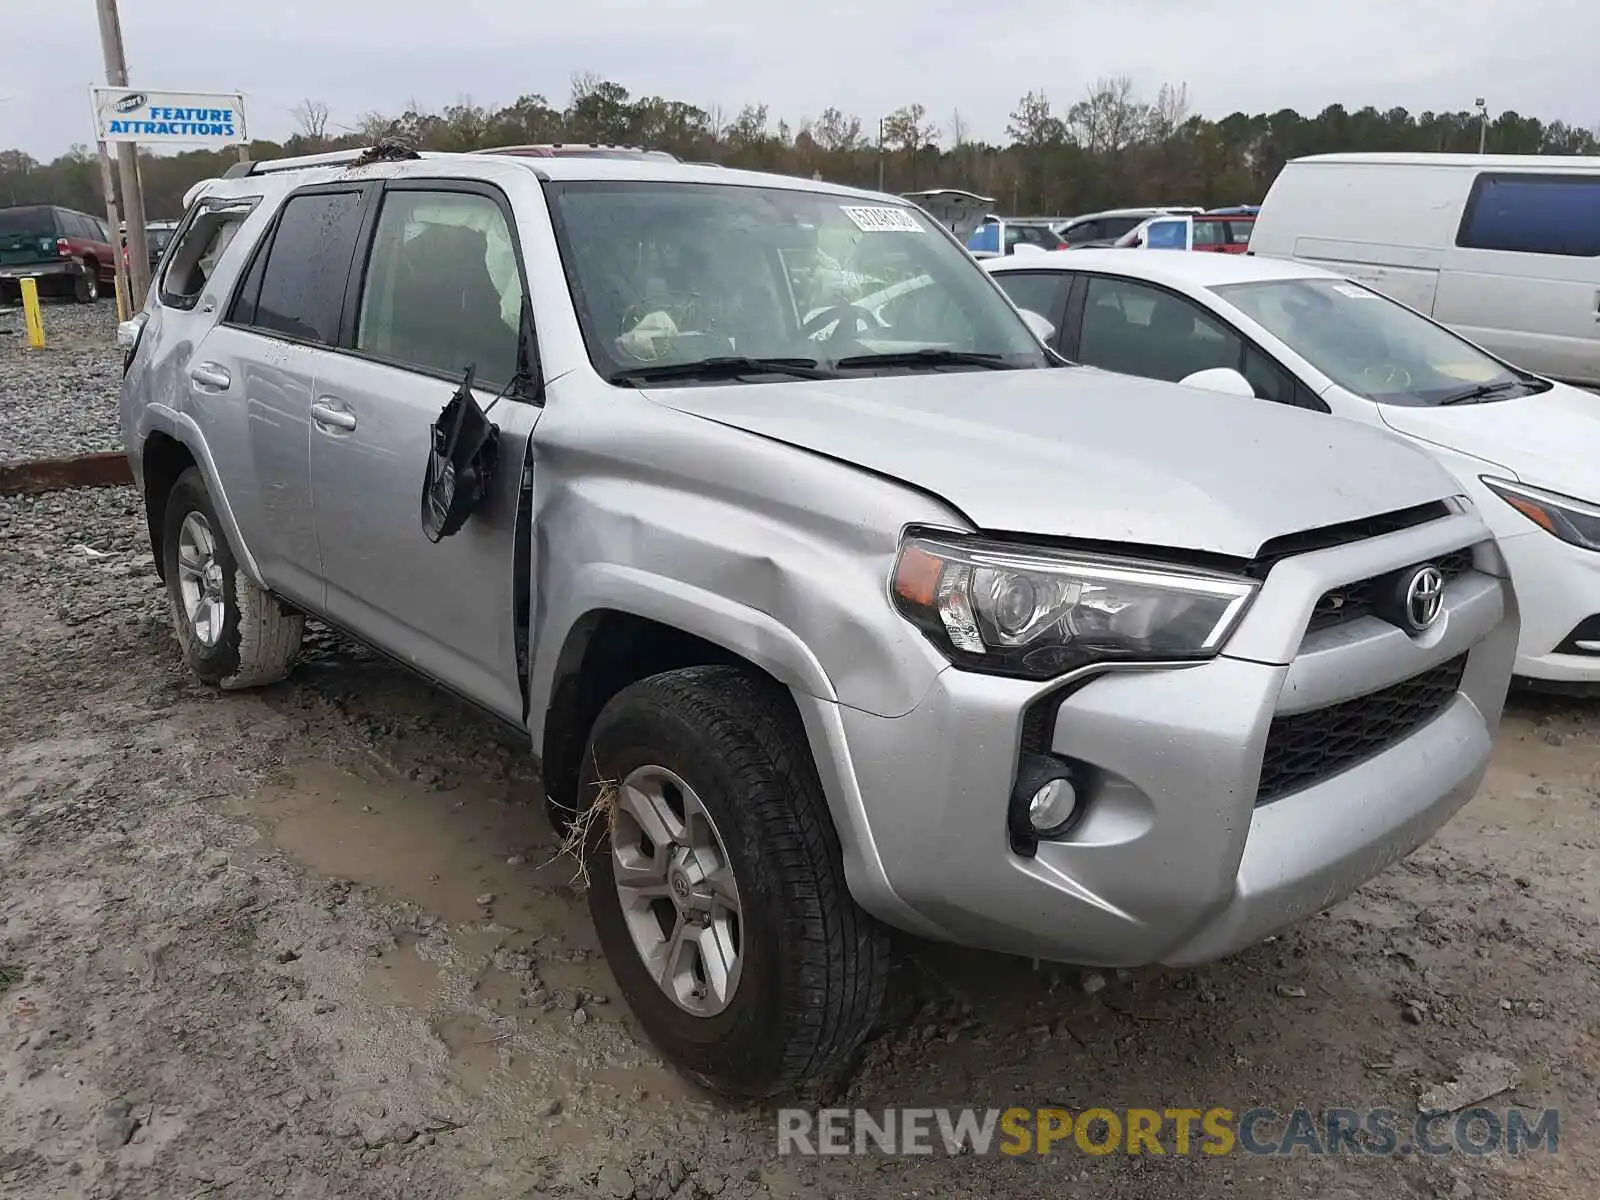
(69, 253)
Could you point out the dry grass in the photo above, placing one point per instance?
(603, 808)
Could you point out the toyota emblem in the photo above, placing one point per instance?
(1424, 598)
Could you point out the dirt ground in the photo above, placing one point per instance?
(313, 942)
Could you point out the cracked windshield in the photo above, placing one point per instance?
(667, 276)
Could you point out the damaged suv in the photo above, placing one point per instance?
(821, 617)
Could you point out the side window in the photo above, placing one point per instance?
(1083, 231)
(1239, 232)
(1115, 227)
(193, 259)
(302, 280)
(74, 226)
(442, 288)
(1210, 233)
(1039, 291)
(1139, 330)
(1533, 214)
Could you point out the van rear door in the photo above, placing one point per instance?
(1523, 277)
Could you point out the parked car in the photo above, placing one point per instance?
(1223, 233)
(158, 236)
(1504, 249)
(68, 252)
(1000, 236)
(1526, 450)
(813, 631)
(1104, 228)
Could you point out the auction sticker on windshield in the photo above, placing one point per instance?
(882, 219)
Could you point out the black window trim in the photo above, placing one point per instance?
(1079, 301)
(1475, 196)
(263, 250)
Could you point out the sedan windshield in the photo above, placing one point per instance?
(1374, 347)
(790, 283)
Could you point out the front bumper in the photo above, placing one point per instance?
(1174, 861)
(1559, 587)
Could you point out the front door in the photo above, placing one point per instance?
(442, 287)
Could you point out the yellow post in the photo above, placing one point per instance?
(31, 313)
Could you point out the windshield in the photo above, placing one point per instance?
(666, 274)
(1374, 347)
(157, 239)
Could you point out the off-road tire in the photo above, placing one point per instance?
(259, 637)
(814, 965)
(86, 287)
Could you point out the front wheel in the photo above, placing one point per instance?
(233, 634)
(717, 887)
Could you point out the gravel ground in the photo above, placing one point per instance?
(61, 400)
(312, 942)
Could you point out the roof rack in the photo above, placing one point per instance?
(384, 151)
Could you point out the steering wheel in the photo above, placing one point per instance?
(858, 318)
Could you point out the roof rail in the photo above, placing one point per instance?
(385, 150)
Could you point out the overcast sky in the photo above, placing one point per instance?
(865, 57)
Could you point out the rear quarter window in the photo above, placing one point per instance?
(1533, 214)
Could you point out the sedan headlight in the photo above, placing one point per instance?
(1038, 613)
(1574, 521)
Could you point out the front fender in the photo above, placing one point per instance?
(762, 640)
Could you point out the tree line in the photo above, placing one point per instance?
(1109, 148)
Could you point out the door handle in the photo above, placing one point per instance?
(326, 415)
(211, 377)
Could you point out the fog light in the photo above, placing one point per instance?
(1045, 800)
(1052, 806)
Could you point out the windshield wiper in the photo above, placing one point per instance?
(1482, 392)
(926, 358)
(723, 367)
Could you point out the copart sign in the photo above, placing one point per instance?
(170, 118)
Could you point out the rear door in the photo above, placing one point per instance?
(441, 285)
(1523, 278)
(251, 378)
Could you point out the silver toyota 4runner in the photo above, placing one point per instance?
(827, 604)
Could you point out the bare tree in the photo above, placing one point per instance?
(1110, 118)
(960, 135)
(1033, 124)
(1168, 114)
(836, 132)
(312, 117)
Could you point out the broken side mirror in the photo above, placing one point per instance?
(461, 463)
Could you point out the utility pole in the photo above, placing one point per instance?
(127, 160)
(880, 154)
(1483, 126)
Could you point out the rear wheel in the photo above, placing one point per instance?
(233, 634)
(717, 887)
(86, 287)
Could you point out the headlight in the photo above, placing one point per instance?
(1039, 613)
(1575, 521)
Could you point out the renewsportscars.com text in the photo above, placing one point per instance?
(1215, 1132)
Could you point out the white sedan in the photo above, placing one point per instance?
(1526, 450)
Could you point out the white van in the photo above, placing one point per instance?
(1505, 249)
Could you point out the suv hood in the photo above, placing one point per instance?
(1081, 453)
(1550, 439)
